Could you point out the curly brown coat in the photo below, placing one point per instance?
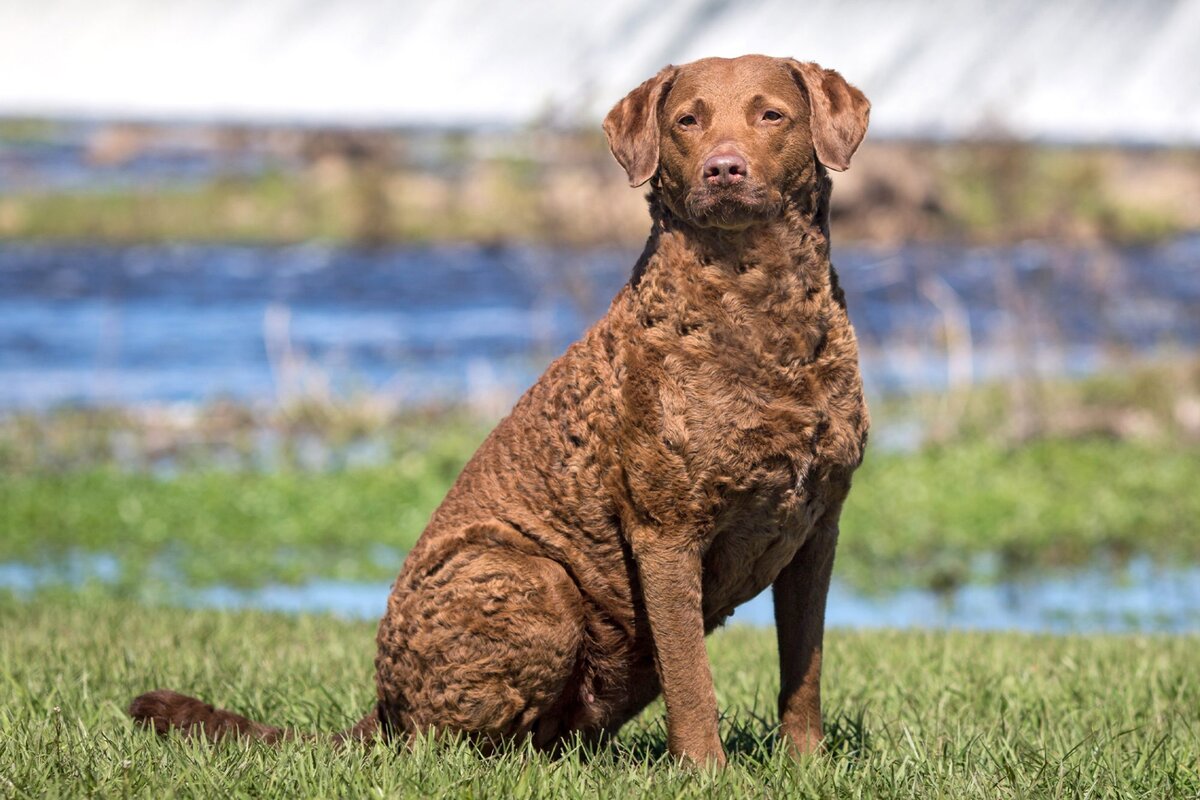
(694, 448)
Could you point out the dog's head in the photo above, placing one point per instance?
(730, 138)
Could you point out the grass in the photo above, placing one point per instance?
(910, 714)
(925, 518)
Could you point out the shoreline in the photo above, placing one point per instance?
(141, 183)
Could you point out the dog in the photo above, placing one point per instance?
(692, 449)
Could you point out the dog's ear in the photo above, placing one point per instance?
(632, 127)
(839, 113)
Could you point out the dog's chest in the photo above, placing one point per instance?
(760, 406)
(747, 385)
(755, 536)
(770, 422)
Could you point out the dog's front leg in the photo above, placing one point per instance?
(670, 574)
(800, 591)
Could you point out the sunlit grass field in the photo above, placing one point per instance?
(910, 714)
(923, 518)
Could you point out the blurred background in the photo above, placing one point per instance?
(269, 272)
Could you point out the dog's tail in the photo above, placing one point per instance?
(163, 710)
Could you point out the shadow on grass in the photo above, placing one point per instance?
(748, 738)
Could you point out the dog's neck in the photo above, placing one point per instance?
(795, 240)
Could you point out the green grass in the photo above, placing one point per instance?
(953, 715)
(926, 517)
(917, 518)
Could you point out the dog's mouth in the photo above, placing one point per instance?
(732, 206)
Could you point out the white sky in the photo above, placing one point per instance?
(1074, 70)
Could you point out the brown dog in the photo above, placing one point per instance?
(692, 449)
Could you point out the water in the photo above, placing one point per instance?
(1143, 597)
(61, 159)
(95, 325)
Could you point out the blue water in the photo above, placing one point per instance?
(61, 158)
(1142, 596)
(188, 323)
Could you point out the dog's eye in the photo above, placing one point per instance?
(771, 115)
(687, 121)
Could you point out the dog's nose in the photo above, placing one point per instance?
(724, 168)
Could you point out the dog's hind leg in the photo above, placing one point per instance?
(488, 645)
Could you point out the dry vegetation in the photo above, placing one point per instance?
(373, 187)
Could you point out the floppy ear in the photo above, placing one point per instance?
(632, 127)
(839, 113)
